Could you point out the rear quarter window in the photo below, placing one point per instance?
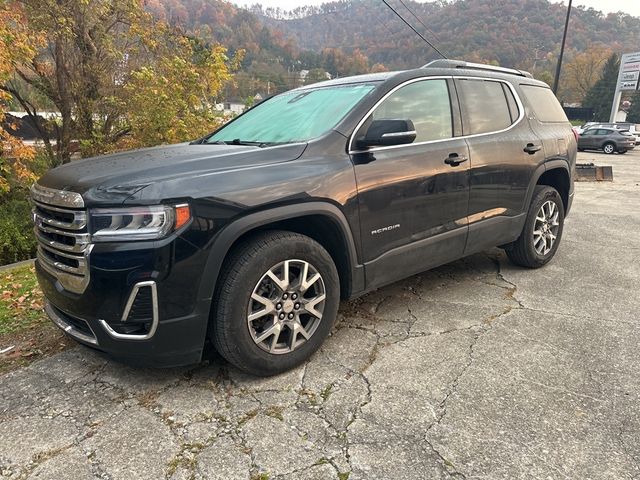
(544, 103)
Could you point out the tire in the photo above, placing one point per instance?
(246, 290)
(526, 251)
(609, 148)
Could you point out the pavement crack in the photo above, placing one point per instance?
(513, 288)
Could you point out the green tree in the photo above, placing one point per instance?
(600, 96)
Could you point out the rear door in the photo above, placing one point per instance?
(412, 202)
(588, 138)
(504, 153)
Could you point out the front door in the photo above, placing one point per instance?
(413, 198)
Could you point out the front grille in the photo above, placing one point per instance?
(63, 238)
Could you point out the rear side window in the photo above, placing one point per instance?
(484, 106)
(544, 104)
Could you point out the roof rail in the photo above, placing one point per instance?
(444, 63)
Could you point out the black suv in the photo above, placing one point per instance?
(249, 237)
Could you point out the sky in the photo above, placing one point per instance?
(631, 7)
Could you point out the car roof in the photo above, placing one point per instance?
(425, 71)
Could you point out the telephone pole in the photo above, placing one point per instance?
(564, 40)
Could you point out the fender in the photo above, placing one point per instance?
(539, 171)
(223, 242)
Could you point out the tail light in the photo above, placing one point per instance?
(576, 135)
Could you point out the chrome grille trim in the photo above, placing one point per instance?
(62, 235)
(80, 270)
(70, 329)
(81, 240)
(51, 196)
(155, 316)
(79, 216)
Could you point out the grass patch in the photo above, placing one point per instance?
(23, 324)
(21, 300)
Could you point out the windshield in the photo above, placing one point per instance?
(296, 116)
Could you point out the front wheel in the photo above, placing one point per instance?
(609, 148)
(542, 231)
(276, 302)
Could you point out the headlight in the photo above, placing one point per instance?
(136, 223)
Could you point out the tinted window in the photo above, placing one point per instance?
(484, 106)
(603, 132)
(426, 104)
(511, 101)
(544, 104)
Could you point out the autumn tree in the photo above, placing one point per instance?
(100, 59)
(173, 99)
(17, 161)
(15, 43)
(583, 71)
(79, 69)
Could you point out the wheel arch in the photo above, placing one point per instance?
(322, 221)
(554, 173)
(557, 177)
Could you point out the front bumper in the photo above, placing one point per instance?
(176, 329)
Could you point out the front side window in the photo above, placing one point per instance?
(484, 106)
(295, 116)
(426, 103)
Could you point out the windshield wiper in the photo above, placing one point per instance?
(237, 141)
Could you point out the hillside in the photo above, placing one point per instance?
(354, 36)
(512, 33)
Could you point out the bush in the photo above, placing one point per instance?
(16, 229)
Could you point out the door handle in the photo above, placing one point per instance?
(454, 159)
(531, 148)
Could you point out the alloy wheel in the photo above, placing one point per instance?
(286, 306)
(608, 148)
(545, 229)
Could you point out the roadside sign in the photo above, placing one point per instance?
(629, 72)
(628, 80)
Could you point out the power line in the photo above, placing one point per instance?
(419, 21)
(416, 32)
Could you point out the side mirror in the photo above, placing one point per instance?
(383, 133)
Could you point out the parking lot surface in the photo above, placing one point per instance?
(478, 369)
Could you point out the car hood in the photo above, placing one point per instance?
(113, 178)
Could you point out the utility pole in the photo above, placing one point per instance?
(564, 40)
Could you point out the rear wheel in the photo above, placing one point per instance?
(609, 148)
(276, 303)
(542, 231)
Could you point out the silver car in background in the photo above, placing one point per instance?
(609, 140)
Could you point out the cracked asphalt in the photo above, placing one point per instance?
(478, 369)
